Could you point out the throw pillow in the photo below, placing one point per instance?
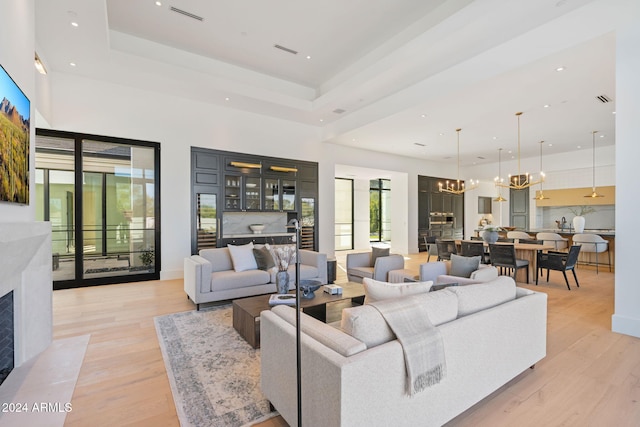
(375, 290)
(463, 266)
(242, 257)
(377, 253)
(264, 259)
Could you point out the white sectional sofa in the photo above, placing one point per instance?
(491, 333)
(210, 276)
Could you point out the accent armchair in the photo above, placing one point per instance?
(361, 265)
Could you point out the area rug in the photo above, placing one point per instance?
(214, 373)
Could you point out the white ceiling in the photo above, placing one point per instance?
(404, 71)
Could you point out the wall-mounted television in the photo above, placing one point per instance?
(15, 131)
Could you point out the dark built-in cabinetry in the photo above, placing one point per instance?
(440, 215)
(224, 182)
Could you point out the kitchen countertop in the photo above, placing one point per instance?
(233, 236)
(570, 231)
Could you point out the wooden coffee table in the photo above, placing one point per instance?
(246, 311)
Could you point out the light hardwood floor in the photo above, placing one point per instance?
(590, 377)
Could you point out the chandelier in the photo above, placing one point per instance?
(498, 179)
(594, 194)
(541, 195)
(457, 187)
(518, 182)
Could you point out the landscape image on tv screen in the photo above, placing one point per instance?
(14, 141)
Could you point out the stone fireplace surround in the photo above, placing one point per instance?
(25, 269)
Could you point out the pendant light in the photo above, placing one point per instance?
(594, 194)
(541, 195)
(457, 187)
(498, 179)
(518, 183)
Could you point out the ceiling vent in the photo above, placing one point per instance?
(339, 111)
(185, 13)
(419, 144)
(286, 49)
(603, 98)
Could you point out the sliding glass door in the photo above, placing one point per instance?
(101, 195)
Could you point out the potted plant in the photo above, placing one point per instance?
(490, 233)
(578, 219)
(147, 257)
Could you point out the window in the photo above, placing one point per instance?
(101, 196)
(379, 210)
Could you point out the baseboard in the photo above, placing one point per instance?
(171, 274)
(625, 325)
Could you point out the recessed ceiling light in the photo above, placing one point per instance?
(73, 64)
(550, 145)
(561, 68)
(353, 140)
(227, 98)
(158, 3)
(308, 56)
(423, 115)
(74, 24)
(547, 105)
(495, 137)
(322, 120)
(441, 134)
(602, 136)
(579, 146)
(613, 112)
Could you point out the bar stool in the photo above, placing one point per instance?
(593, 243)
(559, 242)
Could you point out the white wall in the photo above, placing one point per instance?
(626, 318)
(85, 105)
(17, 40)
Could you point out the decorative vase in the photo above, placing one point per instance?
(578, 224)
(282, 282)
(490, 236)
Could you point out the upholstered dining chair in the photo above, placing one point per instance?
(504, 256)
(445, 249)
(518, 235)
(593, 243)
(559, 261)
(558, 242)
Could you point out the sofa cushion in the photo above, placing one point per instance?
(223, 280)
(375, 290)
(377, 253)
(242, 257)
(264, 259)
(220, 258)
(366, 324)
(463, 266)
(335, 339)
(474, 298)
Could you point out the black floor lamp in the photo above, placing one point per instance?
(296, 225)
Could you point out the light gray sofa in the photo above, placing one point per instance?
(210, 276)
(439, 273)
(347, 381)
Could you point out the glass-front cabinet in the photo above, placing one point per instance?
(242, 193)
(279, 194)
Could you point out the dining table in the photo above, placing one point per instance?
(526, 251)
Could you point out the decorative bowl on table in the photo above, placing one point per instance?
(308, 287)
(509, 228)
(257, 228)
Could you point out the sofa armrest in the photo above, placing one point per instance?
(197, 276)
(484, 274)
(431, 271)
(385, 264)
(362, 259)
(316, 259)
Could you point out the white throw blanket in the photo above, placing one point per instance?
(421, 341)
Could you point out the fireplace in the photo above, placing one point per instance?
(26, 315)
(6, 336)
